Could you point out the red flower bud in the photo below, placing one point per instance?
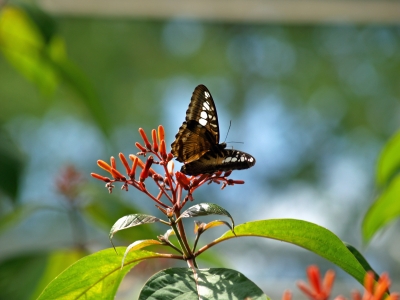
(105, 166)
(112, 161)
(170, 156)
(154, 137)
(117, 175)
(125, 163)
(182, 180)
(161, 134)
(134, 165)
(199, 179)
(145, 172)
(145, 139)
(97, 176)
(140, 147)
(163, 150)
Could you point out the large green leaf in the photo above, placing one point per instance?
(304, 234)
(57, 262)
(180, 283)
(96, 276)
(389, 161)
(384, 210)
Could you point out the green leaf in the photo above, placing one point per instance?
(96, 276)
(179, 283)
(361, 259)
(389, 161)
(139, 245)
(384, 210)
(57, 262)
(306, 235)
(216, 223)
(131, 221)
(206, 209)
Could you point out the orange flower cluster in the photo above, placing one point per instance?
(320, 289)
(170, 184)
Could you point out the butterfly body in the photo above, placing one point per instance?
(197, 141)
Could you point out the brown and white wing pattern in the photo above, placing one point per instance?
(197, 141)
(200, 131)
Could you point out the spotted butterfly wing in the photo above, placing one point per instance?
(197, 141)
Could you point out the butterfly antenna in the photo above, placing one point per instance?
(229, 128)
(230, 123)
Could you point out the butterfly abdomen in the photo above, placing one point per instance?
(210, 162)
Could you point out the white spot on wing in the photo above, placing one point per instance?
(234, 159)
(207, 94)
(203, 115)
(228, 159)
(203, 122)
(206, 106)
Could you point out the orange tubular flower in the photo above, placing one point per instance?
(163, 150)
(287, 295)
(145, 139)
(140, 147)
(97, 176)
(145, 172)
(134, 165)
(183, 180)
(376, 292)
(112, 162)
(154, 137)
(125, 163)
(318, 290)
(117, 175)
(105, 166)
(161, 134)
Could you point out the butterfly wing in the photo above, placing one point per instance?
(200, 131)
(225, 160)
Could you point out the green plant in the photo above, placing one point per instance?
(99, 275)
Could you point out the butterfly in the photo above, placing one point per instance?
(197, 141)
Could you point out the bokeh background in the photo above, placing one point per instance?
(311, 89)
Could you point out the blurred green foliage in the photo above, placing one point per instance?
(341, 83)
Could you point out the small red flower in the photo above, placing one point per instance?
(145, 139)
(319, 289)
(376, 291)
(287, 295)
